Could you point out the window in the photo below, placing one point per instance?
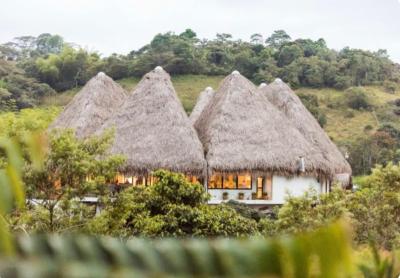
(269, 186)
(192, 179)
(215, 182)
(150, 180)
(229, 182)
(140, 180)
(244, 182)
(120, 178)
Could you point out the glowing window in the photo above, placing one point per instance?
(244, 182)
(269, 187)
(229, 182)
(192, 179)
(215, 182)
(140, 180)
(120, 178)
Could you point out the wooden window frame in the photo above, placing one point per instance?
(251, 183)
(236, 184)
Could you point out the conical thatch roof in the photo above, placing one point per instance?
(241, 131)
(153, 131)
(280, 95)
(202, 101)
(91, 106)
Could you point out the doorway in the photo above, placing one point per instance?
(264, 187)
(260, 187)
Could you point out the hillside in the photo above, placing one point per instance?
(342, 124)
(188, 87)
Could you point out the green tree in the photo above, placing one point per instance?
(357, 99)
(307, 212)
(72, 168)
(188, 34)
(312, 105)
(278, 39)
(288, 54)
(376, 207)
(171, 207)
(47, 43)
(256, 39)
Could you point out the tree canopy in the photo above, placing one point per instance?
(301, 62)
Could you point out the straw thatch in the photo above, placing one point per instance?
(240, 132)
(202, 101)
(280, 95)
(153, 131)
(91, 106)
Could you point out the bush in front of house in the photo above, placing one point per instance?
(172, 207)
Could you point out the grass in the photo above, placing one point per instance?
(188, 87)
(343, 123)
(60, 99)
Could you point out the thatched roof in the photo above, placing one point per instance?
(240, 131)
(202, 101)
(91, 106)
(280, 95)
(153, 131)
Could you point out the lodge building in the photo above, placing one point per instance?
(245, 143)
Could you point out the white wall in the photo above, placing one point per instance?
(216, 194)
(296, 186)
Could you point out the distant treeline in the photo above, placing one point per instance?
(301, 62)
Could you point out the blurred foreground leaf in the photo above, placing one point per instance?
(323, 253)
(12, 192)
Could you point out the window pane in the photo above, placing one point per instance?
(120, 178)
(215, 182)
(260, 181)
(269, 187)
(140, 180)
(192, 179)
(244, 182)
(230, 182)
(151, 180)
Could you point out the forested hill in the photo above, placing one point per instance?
(301, 62)
(353, 93)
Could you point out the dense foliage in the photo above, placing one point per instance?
(72, 169)
(17, 90)
(312, 104)
(373, 210)
(17, 124)
(171, 207)
(325, 253)
(301, 62)
(375, 147)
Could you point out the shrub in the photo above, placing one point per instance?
(390, 86)
(68, 163)
(357, 99)
(171, 207)
(397, 102)
(307, 212)
(245, 211)
(322, 120)
(396, 111)
(349, 114)
(342, 82)
(368, 127)
(376, 207)
(312, 104)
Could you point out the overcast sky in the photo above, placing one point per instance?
(123, 25)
